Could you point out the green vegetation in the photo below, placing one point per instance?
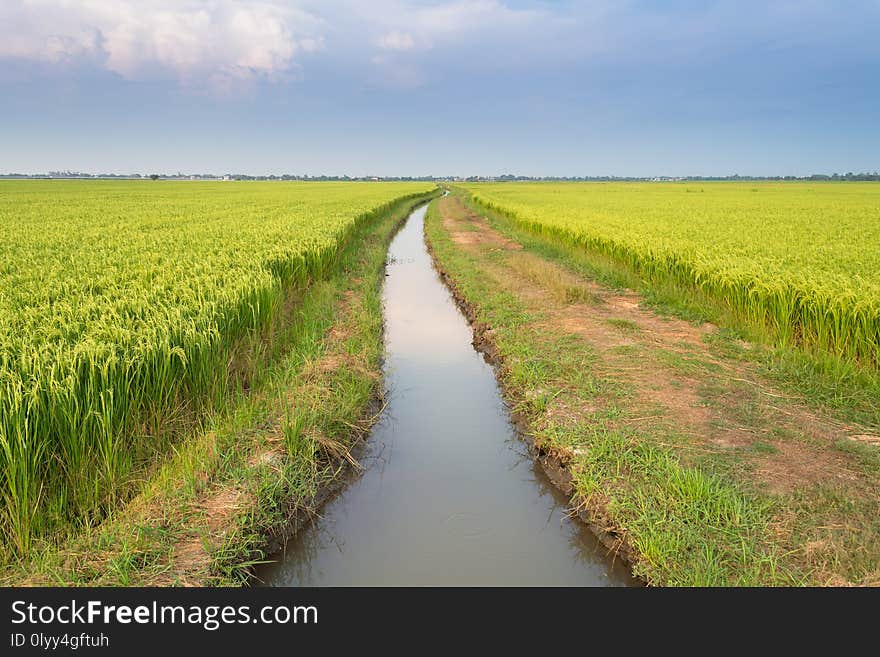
(266, 456)
(795, 259)
(127, 308)
(184, 367)
(842, 384)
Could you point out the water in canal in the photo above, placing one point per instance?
(449, 494)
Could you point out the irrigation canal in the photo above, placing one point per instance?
(449, 494)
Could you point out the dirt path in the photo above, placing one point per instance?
(667, 379)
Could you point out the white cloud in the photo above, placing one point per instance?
(412, 37)
(405, 25)
(223, 44)
(396, 41)
(204, 41)
(462, 16)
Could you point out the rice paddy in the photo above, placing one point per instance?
(799, 259)
(121, 303)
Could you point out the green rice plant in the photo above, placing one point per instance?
(122, 303)
(798, 261)
(22, 453)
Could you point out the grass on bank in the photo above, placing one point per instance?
(239, 477)
(826, 380)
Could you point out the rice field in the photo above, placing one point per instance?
(120, 301)
(800, 259)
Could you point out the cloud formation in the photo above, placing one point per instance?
(227, 42)
(396, 41)
(213, 41)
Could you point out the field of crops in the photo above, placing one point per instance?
(119, 299)
(799, 258)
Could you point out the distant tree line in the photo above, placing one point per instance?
(213, 176)
(849, 176)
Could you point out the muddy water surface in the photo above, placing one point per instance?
(449, 494)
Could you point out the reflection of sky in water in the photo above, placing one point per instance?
(418, 321)
(449, 495)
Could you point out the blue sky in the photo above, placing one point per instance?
(404, 87)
